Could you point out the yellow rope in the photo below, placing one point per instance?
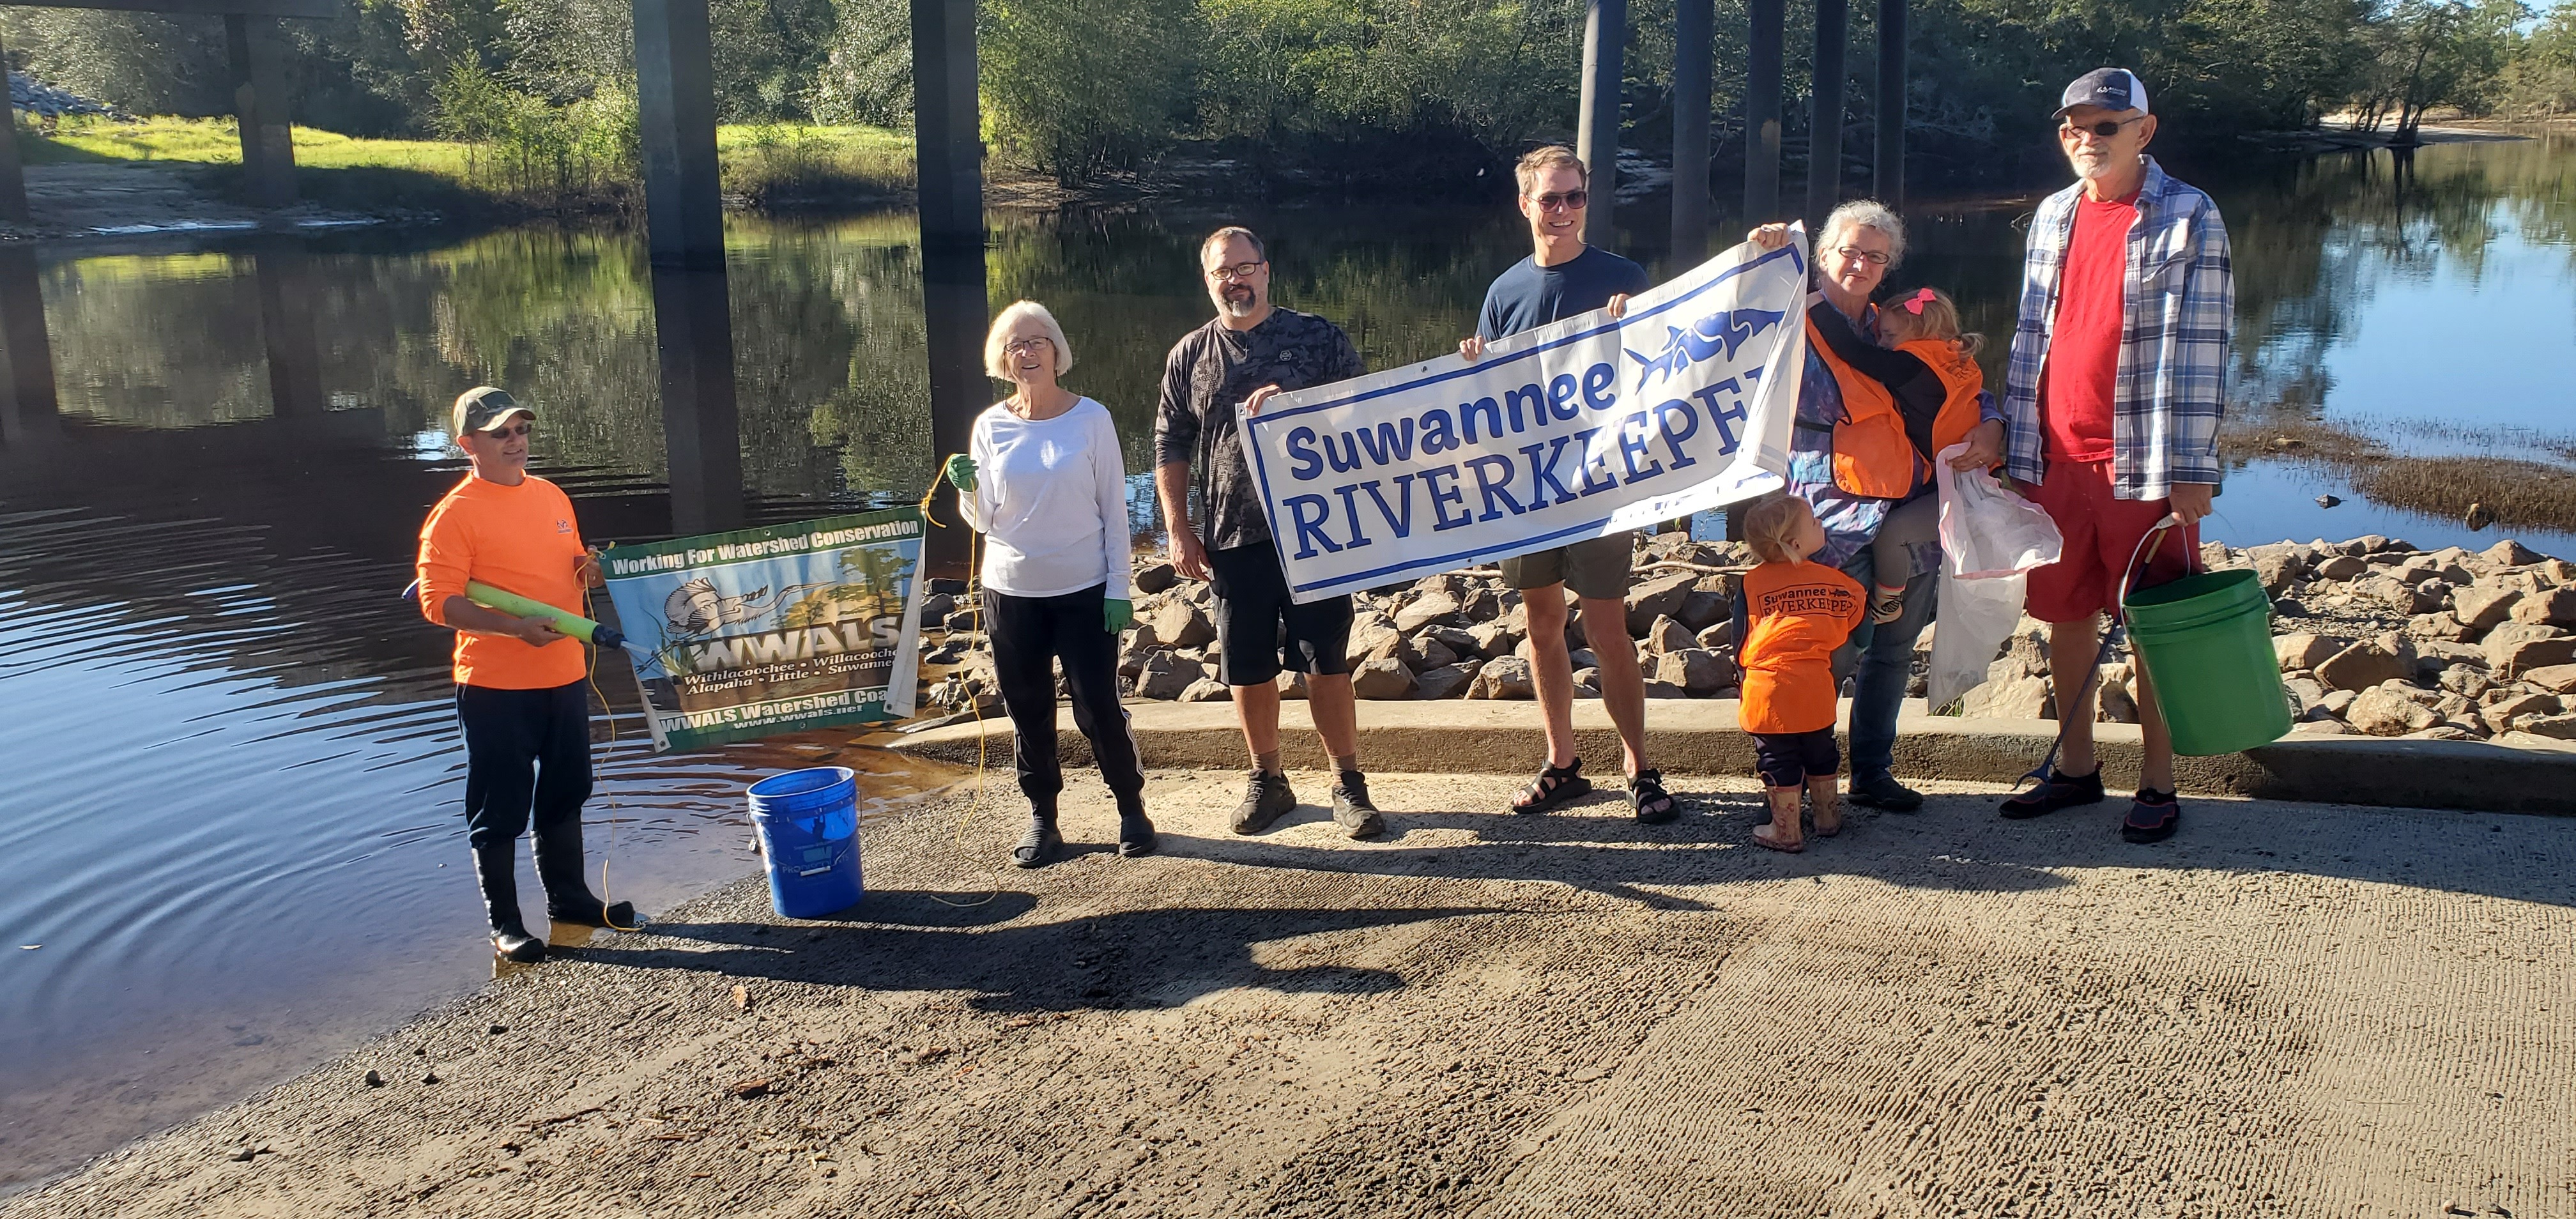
(974, 703)
(611, 845)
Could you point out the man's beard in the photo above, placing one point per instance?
(1238, 305)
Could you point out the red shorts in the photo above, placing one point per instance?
(2101, 534)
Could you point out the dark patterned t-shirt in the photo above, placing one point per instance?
(1212, 370)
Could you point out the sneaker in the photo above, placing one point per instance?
(1880, 790)
(1352, 809)
(2055, 792)
(1264, 799)
(2153, 816)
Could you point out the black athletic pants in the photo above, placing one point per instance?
(1031, 633)
(525, 750)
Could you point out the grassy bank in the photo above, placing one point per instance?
(2512, 491)
(769, 165)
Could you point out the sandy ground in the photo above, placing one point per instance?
(2288, 1010)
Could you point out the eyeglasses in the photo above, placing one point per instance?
(1241, 270)
(516, 429)
(1573, 200)
(1027, 345)
(1853, 253)
(2102, 130)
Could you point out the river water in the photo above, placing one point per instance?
(229, 841)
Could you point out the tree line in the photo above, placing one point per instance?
(1347, 93)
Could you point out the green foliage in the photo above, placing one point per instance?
(1086, 88)
(2541, 78)
(2426, 53)
(524, 146)
(1501, 73)
(1428, 91)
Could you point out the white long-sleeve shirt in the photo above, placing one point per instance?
(1051, 498)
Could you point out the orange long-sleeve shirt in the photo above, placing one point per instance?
(1796, 615)
(520, 539)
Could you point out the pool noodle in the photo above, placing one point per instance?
(564, 620)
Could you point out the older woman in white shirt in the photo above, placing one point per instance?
(1046, 485)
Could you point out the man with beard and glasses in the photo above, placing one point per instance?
(1252, 350)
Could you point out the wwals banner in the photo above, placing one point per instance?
(1583, 427)
(763, 631)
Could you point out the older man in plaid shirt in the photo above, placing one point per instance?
(2118, 378)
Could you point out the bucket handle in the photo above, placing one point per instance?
(2129, 575)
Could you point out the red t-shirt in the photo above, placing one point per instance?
(2077, 381)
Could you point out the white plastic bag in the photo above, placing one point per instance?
(1989, 538)
(1986, 531)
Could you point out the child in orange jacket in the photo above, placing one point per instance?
(1924, 325)
(1796, 613)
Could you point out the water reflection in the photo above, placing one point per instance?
(701, 429)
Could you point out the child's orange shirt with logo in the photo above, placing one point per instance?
(1796, 615)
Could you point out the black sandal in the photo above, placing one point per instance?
(1554, 786)
(1646, 794)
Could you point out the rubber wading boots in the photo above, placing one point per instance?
(568, 896)
(1135, 830)
(494, 872)
(1042, 844)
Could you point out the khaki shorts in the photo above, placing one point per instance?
(1597, 567)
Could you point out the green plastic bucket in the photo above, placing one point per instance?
(2206, 640)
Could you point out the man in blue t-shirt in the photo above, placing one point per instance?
(1561, 278)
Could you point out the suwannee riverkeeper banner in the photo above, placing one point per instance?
(762, 631)
(1583, 427)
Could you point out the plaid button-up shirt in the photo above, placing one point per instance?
(2178, 310)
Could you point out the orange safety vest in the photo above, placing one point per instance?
(1961, 377)
(1871, 454)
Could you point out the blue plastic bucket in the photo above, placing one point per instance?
(809, 835)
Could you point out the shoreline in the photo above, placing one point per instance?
(2373, 637)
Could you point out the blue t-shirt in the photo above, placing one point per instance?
(1530, 296)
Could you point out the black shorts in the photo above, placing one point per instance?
(1789, 759)
(1252, 606)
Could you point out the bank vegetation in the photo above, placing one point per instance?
(1414, 95)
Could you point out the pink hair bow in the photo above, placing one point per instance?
(1915, 303)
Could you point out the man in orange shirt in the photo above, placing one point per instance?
(519, 681)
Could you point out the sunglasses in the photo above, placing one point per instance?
(1572, 200)
(2102, 130)
(516, 429)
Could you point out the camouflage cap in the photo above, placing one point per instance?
(484, 408)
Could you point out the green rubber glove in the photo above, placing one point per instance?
(1118, 615)
(961, 471)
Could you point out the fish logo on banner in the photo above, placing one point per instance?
(1718, 333)
(1588, 426)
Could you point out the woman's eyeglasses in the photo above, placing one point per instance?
(1027, 346)
(1853, 253)
(2102, 130)
(1568, 201)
